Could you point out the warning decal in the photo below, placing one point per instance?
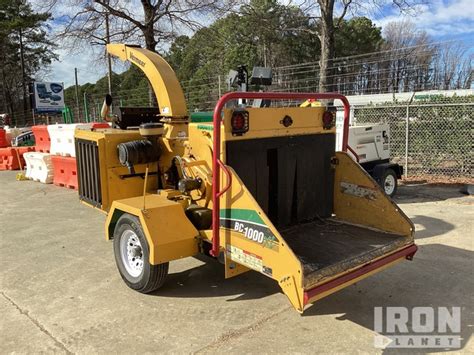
(248, 259)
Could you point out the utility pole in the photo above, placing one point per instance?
(77, 94)
(109, 60)
(22, 64)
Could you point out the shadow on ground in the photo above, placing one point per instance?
(438, 277)
(432, 227)
(429, 193)
(207, 280)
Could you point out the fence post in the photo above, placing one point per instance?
(86, 108)
(407, 126)
(407, 130)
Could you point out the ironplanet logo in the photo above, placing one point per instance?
(137, 60)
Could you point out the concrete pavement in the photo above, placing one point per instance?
(60, 290)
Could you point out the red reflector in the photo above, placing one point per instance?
(239, 122)
(328, 119)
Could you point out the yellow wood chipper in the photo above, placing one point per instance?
(258, 188)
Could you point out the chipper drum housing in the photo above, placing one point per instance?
(259, 189)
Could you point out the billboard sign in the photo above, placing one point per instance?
(49, 97)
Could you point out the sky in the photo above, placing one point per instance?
(443, 20)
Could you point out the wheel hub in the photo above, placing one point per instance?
(131, 253)
(389, 184)
(136, 251)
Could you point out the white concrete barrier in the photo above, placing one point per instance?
(39, 167)
(62, 137)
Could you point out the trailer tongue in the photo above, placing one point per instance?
(257, 188)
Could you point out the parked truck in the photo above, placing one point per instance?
(255, 188)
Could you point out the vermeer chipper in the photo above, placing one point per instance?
(258, 188)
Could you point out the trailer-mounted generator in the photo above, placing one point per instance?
(371, 149)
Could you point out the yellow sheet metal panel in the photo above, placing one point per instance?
(172, 143)
(115, 181)
(200, 142)
(234, 269)
(119, 186)
(268, 122)
(163, 79)
(250, 239)
(111, 138)
(169, 233)
(360, 200)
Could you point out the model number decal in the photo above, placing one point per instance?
(249, 232)
(252, 231)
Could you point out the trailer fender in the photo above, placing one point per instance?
(169, 233)
(380, 169)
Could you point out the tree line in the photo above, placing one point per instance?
(26, 51)
(313, 47)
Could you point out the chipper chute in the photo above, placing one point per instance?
(321, 221)
(257, 188)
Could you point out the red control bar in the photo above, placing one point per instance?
(217, 163)
(408, 253)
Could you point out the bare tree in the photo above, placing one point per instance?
(453, 66)
(410, 53)
(151, 22)
(329, 24)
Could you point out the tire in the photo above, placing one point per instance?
(389, 182)
(132, 255)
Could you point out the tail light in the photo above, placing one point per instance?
(328, 119)
(239, 122)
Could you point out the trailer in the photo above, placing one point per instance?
(371, 149)
(257, 188)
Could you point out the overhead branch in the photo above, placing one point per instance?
(119, 13)
(345, 4)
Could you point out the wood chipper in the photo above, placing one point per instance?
(257, 188)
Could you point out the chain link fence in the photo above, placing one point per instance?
(430, 139)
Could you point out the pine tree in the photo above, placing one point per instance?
(25, 49)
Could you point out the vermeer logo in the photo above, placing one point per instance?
(420, 327)
(137, 60)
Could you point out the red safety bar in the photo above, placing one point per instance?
(217, 163)
(353, 152)
(406, 252)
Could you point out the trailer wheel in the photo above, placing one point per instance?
(389, 182)
(132, 256)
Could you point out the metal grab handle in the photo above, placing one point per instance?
(216, 152)
(229, 178)
(349, 148)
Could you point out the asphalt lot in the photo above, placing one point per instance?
(60, 290)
